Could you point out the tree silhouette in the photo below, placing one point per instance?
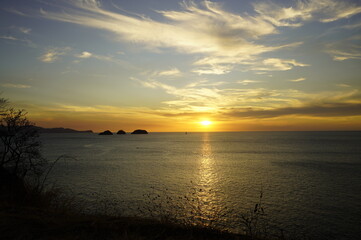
(20, 154)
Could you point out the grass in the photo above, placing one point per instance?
(36, 223)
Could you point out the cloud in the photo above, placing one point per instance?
(343, 85)
(301, 11)
(223, 38)
(9, 38)
(53, 54)
(24, 30)
(224, 64)
(11, 85)
(173, 72)
(298, 79)
(352, 26)
(107, 58)
(27, 42)
(213, 69)
(15, 11)
(324, 104)
(205, 83)
(352, 52)
(277, 64)
(205, 97)
(325, 110)
(345, 49)
(84, 54)
(246, 82)
(206, 29)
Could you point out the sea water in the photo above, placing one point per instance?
(310, 181)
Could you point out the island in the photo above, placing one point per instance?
(107, 132)
(139, 131)
(120, 132)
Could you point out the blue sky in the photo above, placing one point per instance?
(168, 65)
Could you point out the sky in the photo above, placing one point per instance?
(177, 66)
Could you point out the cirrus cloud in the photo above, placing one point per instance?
(301, 11)
(219, 36)
(53, 54)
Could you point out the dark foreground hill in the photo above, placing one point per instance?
(34, 223)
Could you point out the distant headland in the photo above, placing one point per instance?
(59, 130)
(69, 130)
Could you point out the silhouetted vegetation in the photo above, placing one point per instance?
(21, 163)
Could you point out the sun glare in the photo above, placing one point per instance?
(206, 123)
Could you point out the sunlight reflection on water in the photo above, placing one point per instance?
(208, 180)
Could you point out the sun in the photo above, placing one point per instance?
(206, 123)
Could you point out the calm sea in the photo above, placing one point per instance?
(311, 181)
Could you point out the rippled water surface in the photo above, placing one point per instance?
(311, 181)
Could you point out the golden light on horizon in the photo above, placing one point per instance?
(206, 123)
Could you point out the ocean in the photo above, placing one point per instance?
(310, 181)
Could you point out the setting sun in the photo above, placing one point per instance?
(206, 123)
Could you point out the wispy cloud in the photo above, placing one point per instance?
(53, 54)
(84, 54)
(223, 38)
(205, 96)
(345, 49)
(298, 79)
(24, 30)
(324, 104)
(20, 39)
(209, 29)
(205, 83)
(15, 11)
(173, 72)
(277, 64)
(7, 37)
(254, 102)
(314, 105)
(326, 110)
(343, 85)
(13, 38)
(246, 82)
(12, 85)
(217, 64)
(107, 58)
(213, 69)
(301, 11)
(352, 26)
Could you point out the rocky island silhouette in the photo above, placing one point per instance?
(139, 131)
(107, 132)
(120, 132)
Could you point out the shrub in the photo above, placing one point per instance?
(22, 166)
